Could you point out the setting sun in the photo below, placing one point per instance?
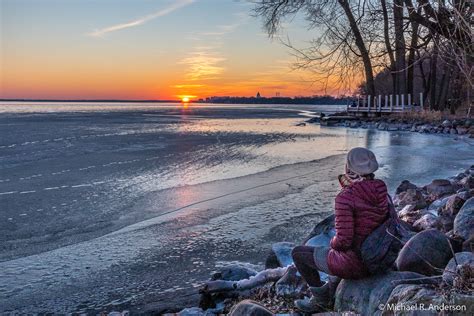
(185, 99)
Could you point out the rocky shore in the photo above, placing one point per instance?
(433, 274)
(420, 124)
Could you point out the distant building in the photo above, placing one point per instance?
(258, 95)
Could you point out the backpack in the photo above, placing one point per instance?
(380, 249)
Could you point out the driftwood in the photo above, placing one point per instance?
(265, 276)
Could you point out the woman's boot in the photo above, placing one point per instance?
(319, 302)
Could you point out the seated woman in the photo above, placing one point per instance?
(361, 207)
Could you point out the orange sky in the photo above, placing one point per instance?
(144, 50)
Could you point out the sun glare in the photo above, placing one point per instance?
(185, 99)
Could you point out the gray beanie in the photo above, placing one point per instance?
(361, 161)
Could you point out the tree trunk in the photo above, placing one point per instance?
(388, 46)
(411, 57)
(433, 78)
(369, 75)
(400, 62)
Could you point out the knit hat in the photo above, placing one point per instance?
(361, 161)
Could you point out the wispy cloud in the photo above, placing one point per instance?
(203, 64)
(173, 7)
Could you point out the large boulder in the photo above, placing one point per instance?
(324, 227)
(364, 296)
(426, 253)
(440, 187)
(452, 269)
(249, 308)
(421, 300)
(464, 221)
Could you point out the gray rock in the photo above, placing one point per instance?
(365, 295)
(416, 295)
(467, 182)
(464, 221)
(249, 308)
(410, 197)
(282, 251)
(453, 205)
(453, 131)
(440, 187)
(425, 222)
(426, 253)
(192, 311)
(462, 258)
(404, 186)
(447, 123)
(462, 130)
(234, 272)
(438, 204)
(410, 214)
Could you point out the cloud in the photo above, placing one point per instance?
(203, 64)
(173, 7)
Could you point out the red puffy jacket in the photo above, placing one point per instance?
(360, 208)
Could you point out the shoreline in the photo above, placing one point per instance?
(440, 210)
(459, 126)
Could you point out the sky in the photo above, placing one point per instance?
(145, 49)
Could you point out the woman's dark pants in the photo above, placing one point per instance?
(309, 261)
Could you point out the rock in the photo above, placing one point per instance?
(410, 197)
(404, 186)
(422, 295)
(365, 295)
(453, 131)
(192, 311)
(427, 249)
(464, 221)
(282, 251)
(409, 214)
(323, 227)
(462, 130)
(453, 205)
(249, 308)
(447, 123)
(438, 204)
(426, 222)
(234, 272)
(467, 182)
(462, 258)
(440, 187)
(354, 124)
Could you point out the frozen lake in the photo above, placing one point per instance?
(132, 206)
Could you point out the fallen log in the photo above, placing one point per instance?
(265, 276)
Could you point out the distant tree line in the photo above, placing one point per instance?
(400, 46)
(325, 100)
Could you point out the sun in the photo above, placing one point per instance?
(185, 99)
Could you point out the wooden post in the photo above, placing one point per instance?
(403, 102)
(421, 100)
(369, 99)
(391, 103)
(397, 97)
(409, 102)
(386, 101)
(380, 102)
